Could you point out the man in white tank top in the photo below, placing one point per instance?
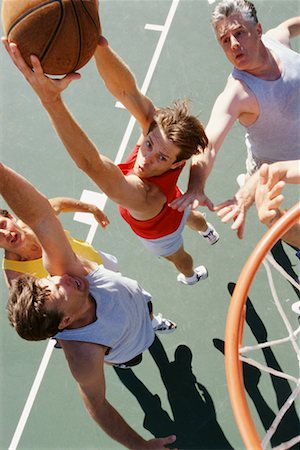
(262, 93)
(98, 315)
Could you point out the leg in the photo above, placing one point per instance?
(184, 263)
(196, 221)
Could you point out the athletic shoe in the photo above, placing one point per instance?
(162, 325)
(211, 235)
(241, 179)
(199, 275)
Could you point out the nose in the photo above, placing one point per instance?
(234, 43)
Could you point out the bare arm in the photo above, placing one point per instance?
(66, 204)
(86, 363)
(34, 209)
(286, 31)
(268, 199)
(127, 191)
(225, 112)
(121, 82)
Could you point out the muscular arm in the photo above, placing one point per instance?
(121, 82)
(34, 209)
(86, 363)
(268, 196)
(226, 110)
(286, 31)
(66, 204)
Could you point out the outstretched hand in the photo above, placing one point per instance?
(101, 218)
(48, 89)
(192, 200)
(268, 197)
(159, 443)
(235, 210)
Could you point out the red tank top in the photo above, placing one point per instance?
(167, 220)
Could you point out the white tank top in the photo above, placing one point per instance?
(275, 136)
(123, 323)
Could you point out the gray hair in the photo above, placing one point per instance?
(226, 8)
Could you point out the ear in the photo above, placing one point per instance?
(64, 323)
(259, 30)
(177, 164)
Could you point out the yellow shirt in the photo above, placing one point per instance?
(36, 268)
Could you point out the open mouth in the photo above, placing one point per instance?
(13, 238)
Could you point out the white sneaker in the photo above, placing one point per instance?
(199, 275)
(211, 235)
(241, 179)
(162, 325)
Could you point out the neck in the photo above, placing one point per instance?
(268, 67)
(86, 315)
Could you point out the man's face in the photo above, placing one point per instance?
(66, 293)
(11, 235)
(240, 41)
(156, 155)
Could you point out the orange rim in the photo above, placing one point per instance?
(235, 325)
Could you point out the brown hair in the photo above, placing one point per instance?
(4, 212)
(183, 129)
(27, 312)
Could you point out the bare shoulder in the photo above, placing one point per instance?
(285, 31)
(238, 97)
(83, 357)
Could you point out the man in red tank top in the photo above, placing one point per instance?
(145, 185)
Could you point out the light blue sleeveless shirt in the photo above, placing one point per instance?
(123, 323)
(275, 136)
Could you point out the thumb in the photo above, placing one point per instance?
(169, 439)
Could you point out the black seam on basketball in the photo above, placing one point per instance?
(79, 34)
(88, 13)
(48, 46)
(27, 13)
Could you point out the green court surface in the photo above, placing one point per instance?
(180, 387)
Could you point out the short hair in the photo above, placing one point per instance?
(27, 312)
(183, 129)
(4, 212)
(226, 8)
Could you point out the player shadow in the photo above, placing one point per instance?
(283, 260)
(194, 419)
(289, 425)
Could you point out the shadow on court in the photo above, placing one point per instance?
(283, 260)
(194, 419)
(289, 425)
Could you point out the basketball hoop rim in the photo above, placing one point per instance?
(234, 327)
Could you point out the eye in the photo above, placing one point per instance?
(148, 144)
(3, 224)
(162, 158)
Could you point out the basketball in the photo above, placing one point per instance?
(63, 34)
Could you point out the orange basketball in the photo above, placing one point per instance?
(63, 34)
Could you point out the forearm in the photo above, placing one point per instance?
(66, 204)
(79, 146)
(292, 236)
(114, 425)
(28, 204)
(121, 83)
(201, 167)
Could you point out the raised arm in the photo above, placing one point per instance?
(225, 112)
(268, 199)
(86, 363)
(67, 204)
(126, 191)
(34, 209)
(286, 31)
(121, 82)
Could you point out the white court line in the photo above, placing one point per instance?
(46, 357)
